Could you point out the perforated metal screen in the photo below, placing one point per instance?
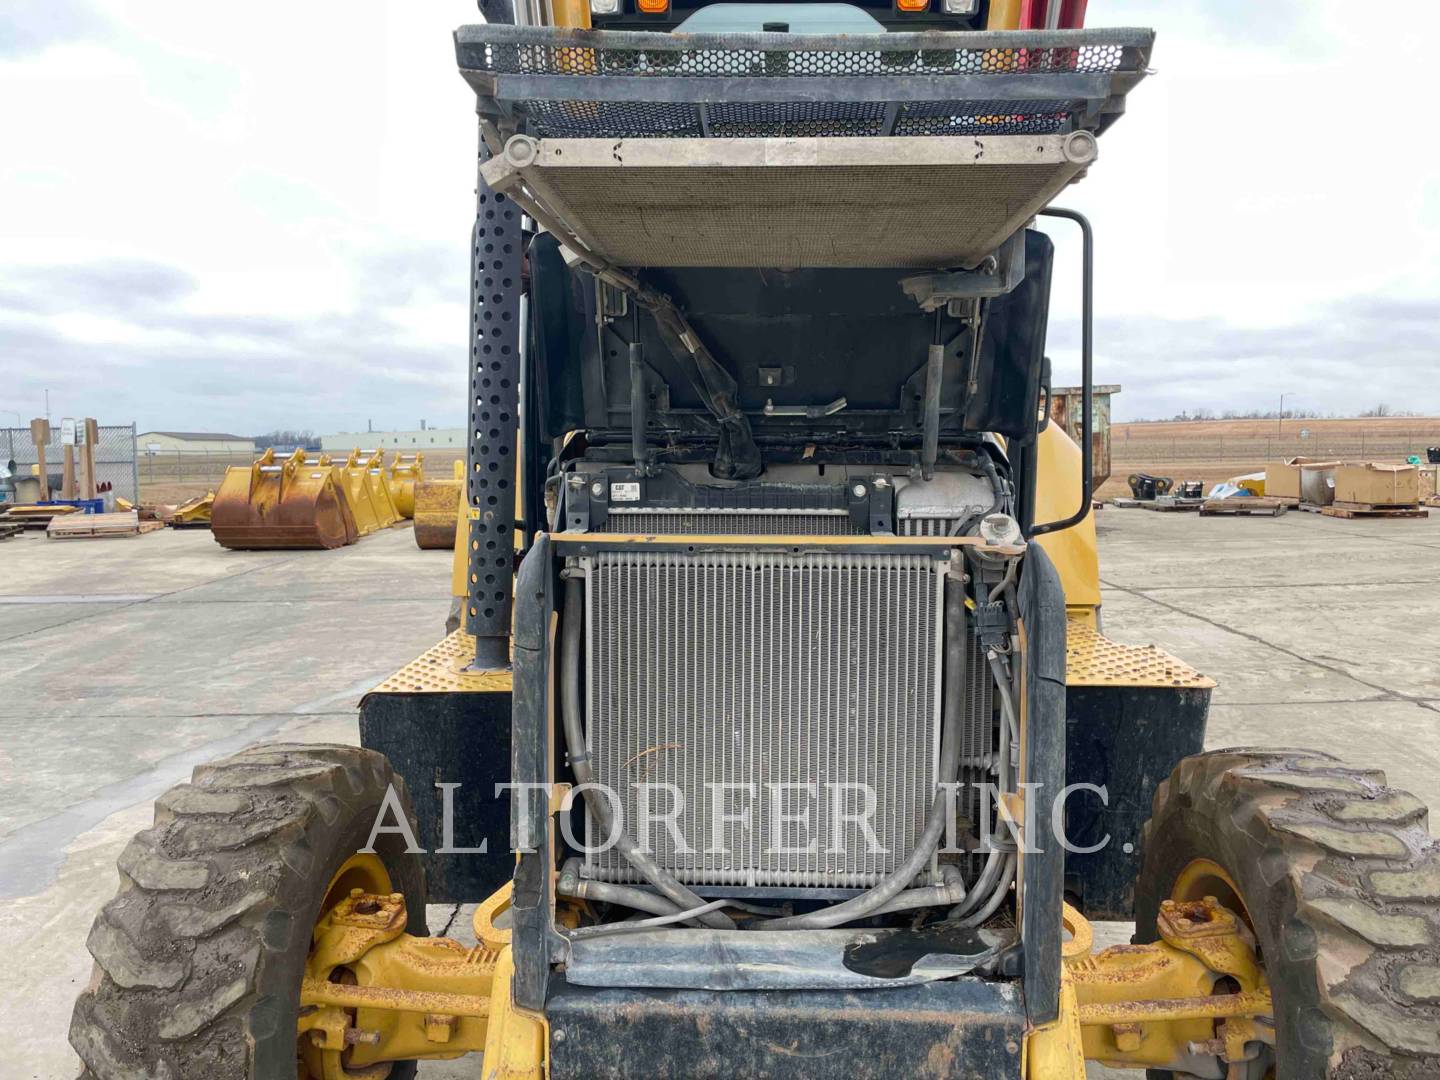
(550, 82)
(672, 120)
(550, 51)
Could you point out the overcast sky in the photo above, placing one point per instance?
(249, 215)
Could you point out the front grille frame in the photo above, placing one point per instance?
(906, 791)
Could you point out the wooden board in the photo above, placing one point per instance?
(1163, 502)
(1244, 505)
(91, 526)
(1368, 510)
(31, 516)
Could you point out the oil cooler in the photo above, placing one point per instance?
(757, 668)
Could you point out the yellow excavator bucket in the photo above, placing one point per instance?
(438, 505)
(194, 511)
(289, 503)
(368, 492)
(405, 472)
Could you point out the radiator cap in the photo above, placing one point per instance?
(999, 530)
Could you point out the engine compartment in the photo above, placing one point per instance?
(736, 660)
(791, 499)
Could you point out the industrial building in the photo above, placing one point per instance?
(426, 438)
(192, 442)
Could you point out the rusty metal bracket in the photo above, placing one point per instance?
(372, 994)
(1162, 1005)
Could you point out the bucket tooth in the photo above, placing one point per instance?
(293, 502)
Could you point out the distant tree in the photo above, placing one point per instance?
(1379, 410)
(286, 437)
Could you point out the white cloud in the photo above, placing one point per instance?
(280, 195)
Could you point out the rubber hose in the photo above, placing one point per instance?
(983, 884)
(952, 705)
(1001, 891)
(606, 929)
(579, 752)
(570, 883)
(952, 892)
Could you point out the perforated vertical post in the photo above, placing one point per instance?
(495, 330)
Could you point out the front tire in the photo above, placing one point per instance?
(1340, 881)
(199, 957)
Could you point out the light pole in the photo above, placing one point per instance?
(1280, 416)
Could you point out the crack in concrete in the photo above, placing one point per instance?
(33, 854)
(1386, 692)
(454, 914)
(30, 716)
(1277, 585)
(150, 598)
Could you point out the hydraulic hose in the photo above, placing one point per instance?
(639, 925)
(986, 464)
(579, 751)
(570, 883)
(952, 706)
(1010, 729)
(951, 892)
(1002, 888)
(994, 862)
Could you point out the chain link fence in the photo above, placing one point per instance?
(114, 457)
(160, 467)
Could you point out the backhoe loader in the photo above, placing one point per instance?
(780, 738)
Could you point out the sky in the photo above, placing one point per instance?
(240, 217)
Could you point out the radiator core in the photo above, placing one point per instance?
(755, 669)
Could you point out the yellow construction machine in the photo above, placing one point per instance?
(780, 738)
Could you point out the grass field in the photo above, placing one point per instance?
(1214, 450)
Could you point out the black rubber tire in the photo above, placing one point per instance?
(1342, 883)
(198, 958)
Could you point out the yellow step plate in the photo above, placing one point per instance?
(444, 668)
(1091, 659)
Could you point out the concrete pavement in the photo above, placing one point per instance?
(125, 662)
